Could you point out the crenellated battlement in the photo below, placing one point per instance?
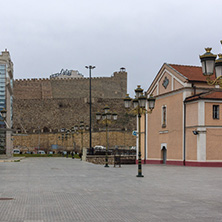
(115, 74)
(32, 80)
(43, 88)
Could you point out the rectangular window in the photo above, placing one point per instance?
(164, 116)
(215, 111)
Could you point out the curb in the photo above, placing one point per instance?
(11, 160)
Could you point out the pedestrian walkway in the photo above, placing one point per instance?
(70, 190)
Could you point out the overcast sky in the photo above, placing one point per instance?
(44, 36)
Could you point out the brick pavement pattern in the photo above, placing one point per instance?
(61, 189)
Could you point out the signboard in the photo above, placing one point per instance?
(54, 146)
(134, 133)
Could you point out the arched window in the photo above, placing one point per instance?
(164, 113)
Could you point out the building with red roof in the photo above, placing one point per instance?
(185, 126)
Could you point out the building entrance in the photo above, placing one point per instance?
(164, 155)
(164, 152)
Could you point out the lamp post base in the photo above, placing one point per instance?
(91, 151)
(106, 165)
(139, 175)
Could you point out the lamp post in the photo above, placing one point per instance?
(210, 65)
(106, 117)
(73, 141)
(81, 128)
(67, 136)
(90, 109)
(62, 138)
(139, 107)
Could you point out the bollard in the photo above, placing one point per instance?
(117, 159)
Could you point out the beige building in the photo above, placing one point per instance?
(185, 128)
(6, 85)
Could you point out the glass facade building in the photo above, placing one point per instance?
(6, 85)
(2, 106)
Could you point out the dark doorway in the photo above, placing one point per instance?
(164, 151)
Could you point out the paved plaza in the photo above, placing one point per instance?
(61, 189)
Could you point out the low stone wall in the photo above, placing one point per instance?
(28, 142)
(101, 159)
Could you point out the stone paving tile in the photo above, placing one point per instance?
(61, 189)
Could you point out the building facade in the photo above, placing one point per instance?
(6, 98)
(186, 125)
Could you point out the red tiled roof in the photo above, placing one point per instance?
(213, 95)
(192, 73)
(217, 95)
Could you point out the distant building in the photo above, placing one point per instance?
(6, 86)
(65, 73)
(185, 127)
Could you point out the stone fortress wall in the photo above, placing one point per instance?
(54, 88)
(47, 105)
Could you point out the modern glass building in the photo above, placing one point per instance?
(6, 86)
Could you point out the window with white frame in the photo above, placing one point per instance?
(164, 113)
(216, 111)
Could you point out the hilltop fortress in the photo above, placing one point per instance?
(48, 105)
(57, 88)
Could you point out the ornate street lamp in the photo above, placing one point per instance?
(62, 138)
(139, 107)
(81, 129)
(210, 65)
(106, 118)
(72, 131)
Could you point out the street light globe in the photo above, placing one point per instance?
(103, 116)
(81, 126)
(142, 101)
(109, 116)
(127, 101)
(138, 91)
(208, 61)
(218, 66)
(135, 103)
(114, 116)
(106, 109)
(98, 116)
(151, 102)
